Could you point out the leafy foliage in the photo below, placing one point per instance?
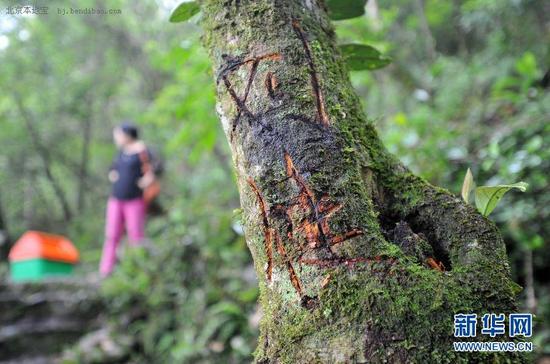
(345, 9)
(182, 301)
(487, 197)
(184, 11)
(363, 57)
(468, 185)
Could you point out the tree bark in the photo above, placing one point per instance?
(530, 297)
(5, 242)
(358, 259)
(429, 40)
(84, 161)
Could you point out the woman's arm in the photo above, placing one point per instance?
(146, 180)
(113, 175)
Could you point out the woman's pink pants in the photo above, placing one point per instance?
(121, 214)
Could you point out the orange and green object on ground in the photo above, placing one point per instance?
(38, 255)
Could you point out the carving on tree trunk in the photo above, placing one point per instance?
(268, 232)
(358, 259)
(313, 216)
(233, 64)
(319, 100)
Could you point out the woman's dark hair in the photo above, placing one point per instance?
(129, 129)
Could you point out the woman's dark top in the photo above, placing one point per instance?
(129, 171)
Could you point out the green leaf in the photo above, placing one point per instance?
(468, 185)
(363, 57)
(184, 11)
(527, 65)
(536, 242)
(516, 288)
(345, 9)
(487, 197)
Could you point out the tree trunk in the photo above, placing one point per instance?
(5, 242)
(84, 161)
(357, 258)
(530, 297)
(429, 41)
(44, 156)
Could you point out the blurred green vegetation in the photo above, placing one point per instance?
(465, 89)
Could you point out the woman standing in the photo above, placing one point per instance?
(129, 175)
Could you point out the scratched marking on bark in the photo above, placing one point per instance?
(314, 227)
(319, 98)
(348, 235)
(241, 106)
(268, 232)
(271, 84)
(233, 64)
(293, 276)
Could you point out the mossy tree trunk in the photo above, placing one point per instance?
(358, 259)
